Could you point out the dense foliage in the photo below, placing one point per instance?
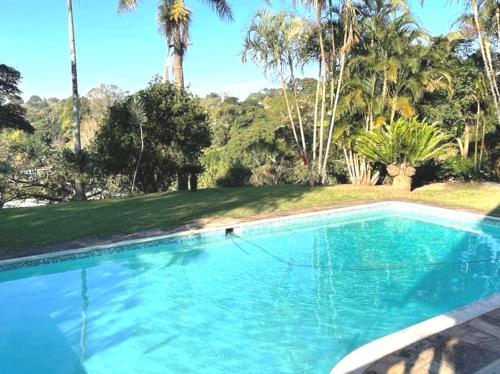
(11, 111)
(403, 142)
(172, 131)
(377, 75)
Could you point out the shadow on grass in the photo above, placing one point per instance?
(32, 227)
(28, 231)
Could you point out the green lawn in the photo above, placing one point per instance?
(34, 227)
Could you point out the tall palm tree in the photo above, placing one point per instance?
(77, 147)
(272, 43)
(275, 42)
(175, 20)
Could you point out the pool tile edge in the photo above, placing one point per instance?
(191, 233)
(241, 226)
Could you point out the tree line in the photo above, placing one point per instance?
(389, 104)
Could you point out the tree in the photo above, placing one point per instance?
(484, 24)
(102, 98)
(79, 187)
(276, 43)
(36, 102)
(152, 136)
(136, 108)
(12, 114)
(99, 100)
(402, 146)
(384, 80)
(174, 19)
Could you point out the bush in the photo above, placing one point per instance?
(236, 176)
(460, 169)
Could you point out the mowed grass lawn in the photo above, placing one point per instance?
(42, 226)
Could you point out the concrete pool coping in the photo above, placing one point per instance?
(362, 358)
(405, 206)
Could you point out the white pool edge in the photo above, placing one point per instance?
(363, 357)
(404, 206)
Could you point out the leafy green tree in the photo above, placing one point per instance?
(174, 130)
(12, 114)
(251, 142)
(36, 102)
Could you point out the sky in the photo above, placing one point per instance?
(127, 49)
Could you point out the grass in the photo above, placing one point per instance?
(42, 226)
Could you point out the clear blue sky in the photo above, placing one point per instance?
(127, 50)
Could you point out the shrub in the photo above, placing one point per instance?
(236, 176)
(403, 146)
(460, 169)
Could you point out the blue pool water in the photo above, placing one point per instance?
(287, 298)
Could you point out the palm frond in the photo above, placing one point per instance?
(127, 5)
(403, 141)
(222, 8)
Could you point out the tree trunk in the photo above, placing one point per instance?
(402, 176)
(178, 59)
(482, 144)
(299, 116)
(139, 160)
(402, 182)
(182, 182)
(360, 171)
(348, 35)
(315, 121)
(178, 69)
(488, 65)
(166, 78)
(466, 145)
(79, 187)
(333, 118)
(476, 136)
(193, 182)
(497, 18)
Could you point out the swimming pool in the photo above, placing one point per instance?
(289, 295)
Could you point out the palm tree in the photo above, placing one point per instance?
(175, 20)
(484, 24)
(79, 188)
(388, 76)
(486, 19)
(272, 42)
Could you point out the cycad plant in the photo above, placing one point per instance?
(403, 146)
